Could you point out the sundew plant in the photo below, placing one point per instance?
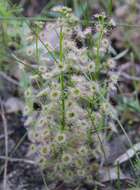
(67, 90)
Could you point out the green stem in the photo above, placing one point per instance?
(37, 49)
(4, 34)
(62, 83)
(110, 7)
(98, 53)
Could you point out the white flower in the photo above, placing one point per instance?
(114, 78)
(42, 161)
(28, 93)
(44, 150)
(66, 158)
(83, 150)
(32, 149)
(29, 51)
(91, 66)
(41, 121)
(55, 94)
(47, 75)
(105, 43)
(42, 68)
(111, 63)
(81, 173)
(79, 163)
(26, 110)
(60, 138)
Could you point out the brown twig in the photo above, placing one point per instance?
(125, 76)
(129, 77)
(6, 145)
(3, 136)
(18, 160)
(9, 78)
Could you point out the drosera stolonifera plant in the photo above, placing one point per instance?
(67, 99)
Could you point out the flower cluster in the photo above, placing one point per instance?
(66, 101)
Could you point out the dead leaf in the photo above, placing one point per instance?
(128, 154)
(120, 55)
(13, 105)
(117, 146)
(111, 173)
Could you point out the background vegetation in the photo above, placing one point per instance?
(23, 26)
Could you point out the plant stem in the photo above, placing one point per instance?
(110, 6)
(37, 49)
(118, 180)
(98, 51)
(4, 34)
(62, 83)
